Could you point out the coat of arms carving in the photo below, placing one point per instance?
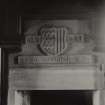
(53, 39)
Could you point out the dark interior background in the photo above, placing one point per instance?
(10, 9)
(61, 97)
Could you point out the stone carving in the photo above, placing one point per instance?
(77, 59)
(53, 39)
(57, 37)
(56, 42)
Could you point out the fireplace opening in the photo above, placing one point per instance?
(59, 97)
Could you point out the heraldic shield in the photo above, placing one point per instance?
(53, 39)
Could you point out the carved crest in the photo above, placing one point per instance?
(53, 39)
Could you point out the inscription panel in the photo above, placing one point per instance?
(77, 59)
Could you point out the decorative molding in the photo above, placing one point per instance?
(73, 59)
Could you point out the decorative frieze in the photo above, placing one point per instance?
(75, 59)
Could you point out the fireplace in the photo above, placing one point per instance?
(57, 65)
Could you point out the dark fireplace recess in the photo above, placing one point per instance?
(60, 97)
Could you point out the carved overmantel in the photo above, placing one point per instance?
(56, 41)
(56, 55)
(62, 46)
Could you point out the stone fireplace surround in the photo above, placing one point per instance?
(70, 78)
(56, 85)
